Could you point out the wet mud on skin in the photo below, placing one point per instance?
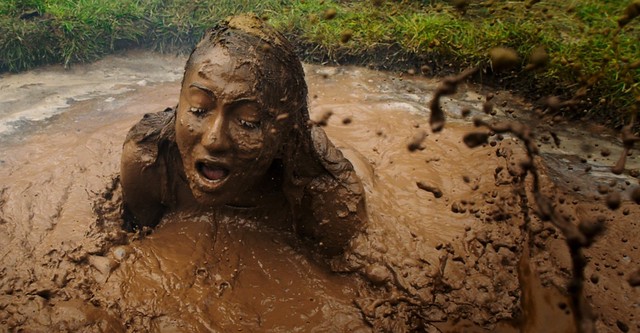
(446, 248)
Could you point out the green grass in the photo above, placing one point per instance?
(72, 31)
(579, 35)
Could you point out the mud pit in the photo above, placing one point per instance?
(449, 254)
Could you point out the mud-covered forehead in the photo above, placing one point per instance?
(263, 54)
(229, 78)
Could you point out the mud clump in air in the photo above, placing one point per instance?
(503, 58)
(416, 142)
(346, 36)
(330, 14)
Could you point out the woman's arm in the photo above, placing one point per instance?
(139, 178)
(143, 170)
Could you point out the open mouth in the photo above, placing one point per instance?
(212, 173)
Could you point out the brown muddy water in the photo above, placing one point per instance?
(451, 255)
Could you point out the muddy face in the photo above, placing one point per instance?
(227, 139)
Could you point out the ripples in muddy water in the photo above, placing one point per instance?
(28, 99)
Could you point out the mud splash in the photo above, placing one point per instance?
(453, 257)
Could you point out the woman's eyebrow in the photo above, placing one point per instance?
(237, 100)
(243, 100)
(203, 88)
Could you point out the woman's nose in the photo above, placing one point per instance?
(216, 136)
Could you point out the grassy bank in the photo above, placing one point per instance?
(589, 59)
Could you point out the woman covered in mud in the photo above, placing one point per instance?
(240, 140)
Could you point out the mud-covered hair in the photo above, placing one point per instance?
(268, 55)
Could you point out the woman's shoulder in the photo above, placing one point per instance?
(151, 127)
(149, 134)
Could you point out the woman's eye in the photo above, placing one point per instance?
(196, 110)
(249, 124)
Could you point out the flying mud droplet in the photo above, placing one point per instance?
(324, 118)
(346, 35)
(623, 327)
(635, 195)
(631, 12)
(426, 187)
(605, 152)
(447, 86)
(613, 200)
(347, 120)
(556, 139)
(461, 5)
(530, 4)
(634, 65)
(553, 103)
(416, 141)
(634, 278)
(618, 168)
(487, 108)
(628, 140)
(603, 189)
(475, 139)
(591, 227)
(503, 58)
(264, 47)
(330, 14)
(537, 59)
(465, 112)
(312, 18)
(490, 96)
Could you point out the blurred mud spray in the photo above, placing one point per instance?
(578, 237)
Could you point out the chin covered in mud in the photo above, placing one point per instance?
(240, 139)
